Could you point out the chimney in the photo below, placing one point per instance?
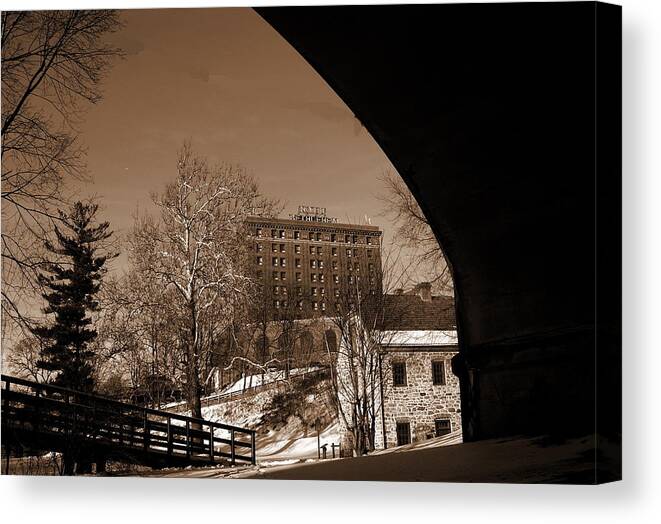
(423, 290)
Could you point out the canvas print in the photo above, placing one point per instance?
(323, 243)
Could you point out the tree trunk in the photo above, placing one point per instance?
(193, 371)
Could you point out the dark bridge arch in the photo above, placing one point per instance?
(488, 113)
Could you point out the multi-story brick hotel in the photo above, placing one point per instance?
(311, 264)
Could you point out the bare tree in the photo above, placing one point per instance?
(140, 337)
(197, 250)
(21, 360)
(414, 233)
(362, 317)
(53, 63)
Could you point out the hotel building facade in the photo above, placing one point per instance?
(312, 265)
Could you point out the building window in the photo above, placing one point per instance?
(258, 232)
(403, 433)
(297, 235)
(276, 275)
(333, 237)
(312, 250)
(258, 247)
(300, 304)
(438, 373)
(284, 290)
(260, 261)
(322, 291)
(298, 276)
(274, 233)
(399, 373)
(334, 264)
(283, 262)
(370, 266)
(297, 249)
(349, 252)
(299, 291)
(318, 237)
(368, 240)
(283, 275)
(282, 233)
(354, 239)
(336, 279)
(321, 277)
(323, 306)
(442, 427)
(350, 279)
(334, 251)
(315, 306)
(282, 248)
(274, 261)
(274, 248)
(369, 253)
(313, 277)
(356, 266)
(347, 238)
(297, 262)
(276, 304)
(337, 292)
(275, 289)
(313, 264)
(320, 251)
(313, 291)
(320, 263)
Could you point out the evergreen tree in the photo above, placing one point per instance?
(71, 284)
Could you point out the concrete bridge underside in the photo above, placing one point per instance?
(488, 113)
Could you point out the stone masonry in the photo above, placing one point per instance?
(420, 402)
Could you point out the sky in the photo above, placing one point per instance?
(226, 81)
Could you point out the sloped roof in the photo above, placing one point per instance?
(411, 313)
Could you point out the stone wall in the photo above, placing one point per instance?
(419, 402)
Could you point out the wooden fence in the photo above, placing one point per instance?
(48, 417)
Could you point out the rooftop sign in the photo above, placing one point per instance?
(312, 214)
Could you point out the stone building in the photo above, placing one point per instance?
(416, 395)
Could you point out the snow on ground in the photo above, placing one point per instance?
(251, 381)
(291, 443)
(515, 460)
(446, 440)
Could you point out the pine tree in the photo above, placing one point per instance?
(71, 284)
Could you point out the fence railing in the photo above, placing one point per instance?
(62, 413)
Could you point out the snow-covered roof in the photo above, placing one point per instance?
(418, 338)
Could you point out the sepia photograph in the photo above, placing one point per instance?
(354, 243)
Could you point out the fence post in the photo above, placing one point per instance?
(169, 436)
(188, 443)
(37, 410)
(145, 431)
(211, 442)
(5, 400)
(232, 447)
(254, 449)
